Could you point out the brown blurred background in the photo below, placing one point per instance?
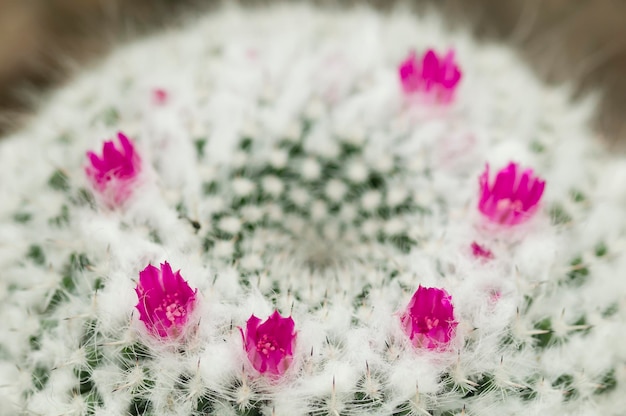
(579, 40)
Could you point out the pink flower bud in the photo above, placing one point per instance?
(113, 173)
(165, 301)
(269, 345)
(428, 320)
(513, 197)
(481, 252)
(431, 75)
(160, 96)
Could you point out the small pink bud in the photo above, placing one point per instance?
(113, 173)
(428, 320)
(513, 197)
(495, 295)
(431, 75)
(160, 96)
(165, 301)
(481, 252)
(269, 345)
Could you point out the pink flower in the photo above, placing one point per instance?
(113, 174)
(270, 345)
(513, 197)
(165, 301)
(481, 252)
(435, 76)
(428, 320)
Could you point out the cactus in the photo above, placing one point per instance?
(274, 160)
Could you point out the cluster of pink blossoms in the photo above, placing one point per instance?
(166, 301)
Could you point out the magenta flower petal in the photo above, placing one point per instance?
(523, 190)
(165, 301)
(430, 70)
(505, 181)
(535, 193)
(428, 320)
(269, 345)
(113, 173)
(513, 198)
(450, 74)
(409, 73)
(434, 76)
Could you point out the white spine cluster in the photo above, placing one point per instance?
(287, 170)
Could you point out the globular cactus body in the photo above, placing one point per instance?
(281, 165)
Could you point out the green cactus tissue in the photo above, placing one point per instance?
(290, 211)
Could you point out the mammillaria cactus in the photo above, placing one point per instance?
(285, 168)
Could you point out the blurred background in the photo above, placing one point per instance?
(582, 41)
